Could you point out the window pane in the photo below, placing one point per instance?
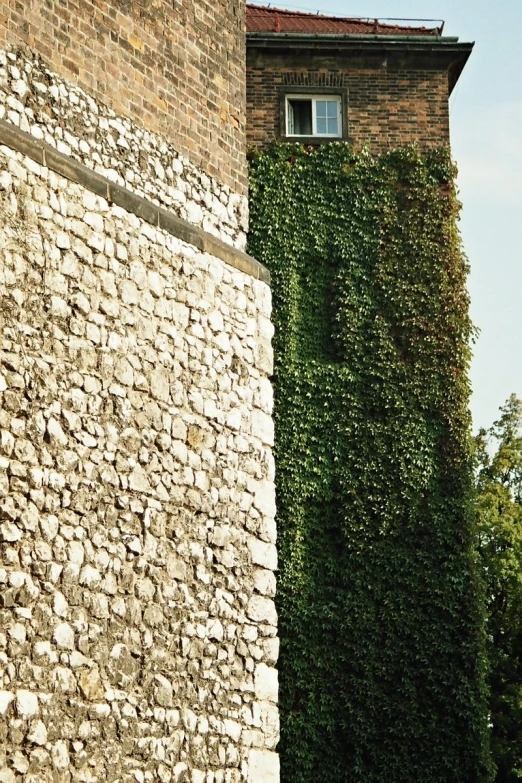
(313, 116)
(333, 127)
(289, 118)
(332, 108)
(301, 113)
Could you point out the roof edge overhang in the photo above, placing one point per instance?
(446, 51)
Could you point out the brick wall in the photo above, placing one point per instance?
(389, 103)
(176, 67)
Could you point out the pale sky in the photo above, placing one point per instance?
(486, 134)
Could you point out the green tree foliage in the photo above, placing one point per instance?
(382, 666)
(499, 505)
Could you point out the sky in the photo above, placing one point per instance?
(486, 138)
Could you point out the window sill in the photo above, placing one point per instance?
(311, 140)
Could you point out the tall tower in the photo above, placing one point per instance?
(354, 211)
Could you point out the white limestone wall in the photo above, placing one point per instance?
(53, 110)
(138, 636)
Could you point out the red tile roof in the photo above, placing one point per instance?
(261, 19)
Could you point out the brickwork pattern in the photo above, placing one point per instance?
(386, 107)
(173, 67)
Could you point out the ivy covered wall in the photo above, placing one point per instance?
(382, 664)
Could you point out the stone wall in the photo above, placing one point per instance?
(173, 66)
(40, 102)
(138, 630)
(138, 635)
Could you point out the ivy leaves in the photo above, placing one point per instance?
(380, 607)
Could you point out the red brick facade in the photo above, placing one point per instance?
(394, 81)
(173, 66)
(389, 104)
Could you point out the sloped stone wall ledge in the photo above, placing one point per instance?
(62, 164)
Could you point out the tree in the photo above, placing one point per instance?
(499, 511)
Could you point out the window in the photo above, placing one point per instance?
(314, 115)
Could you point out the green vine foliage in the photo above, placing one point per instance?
(381, 610)
(499, 510)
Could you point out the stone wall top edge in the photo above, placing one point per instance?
(77, 172)
(174, 67)
(60, 112)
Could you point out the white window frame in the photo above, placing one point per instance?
(313, 99)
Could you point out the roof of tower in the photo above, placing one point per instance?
(261, 19)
